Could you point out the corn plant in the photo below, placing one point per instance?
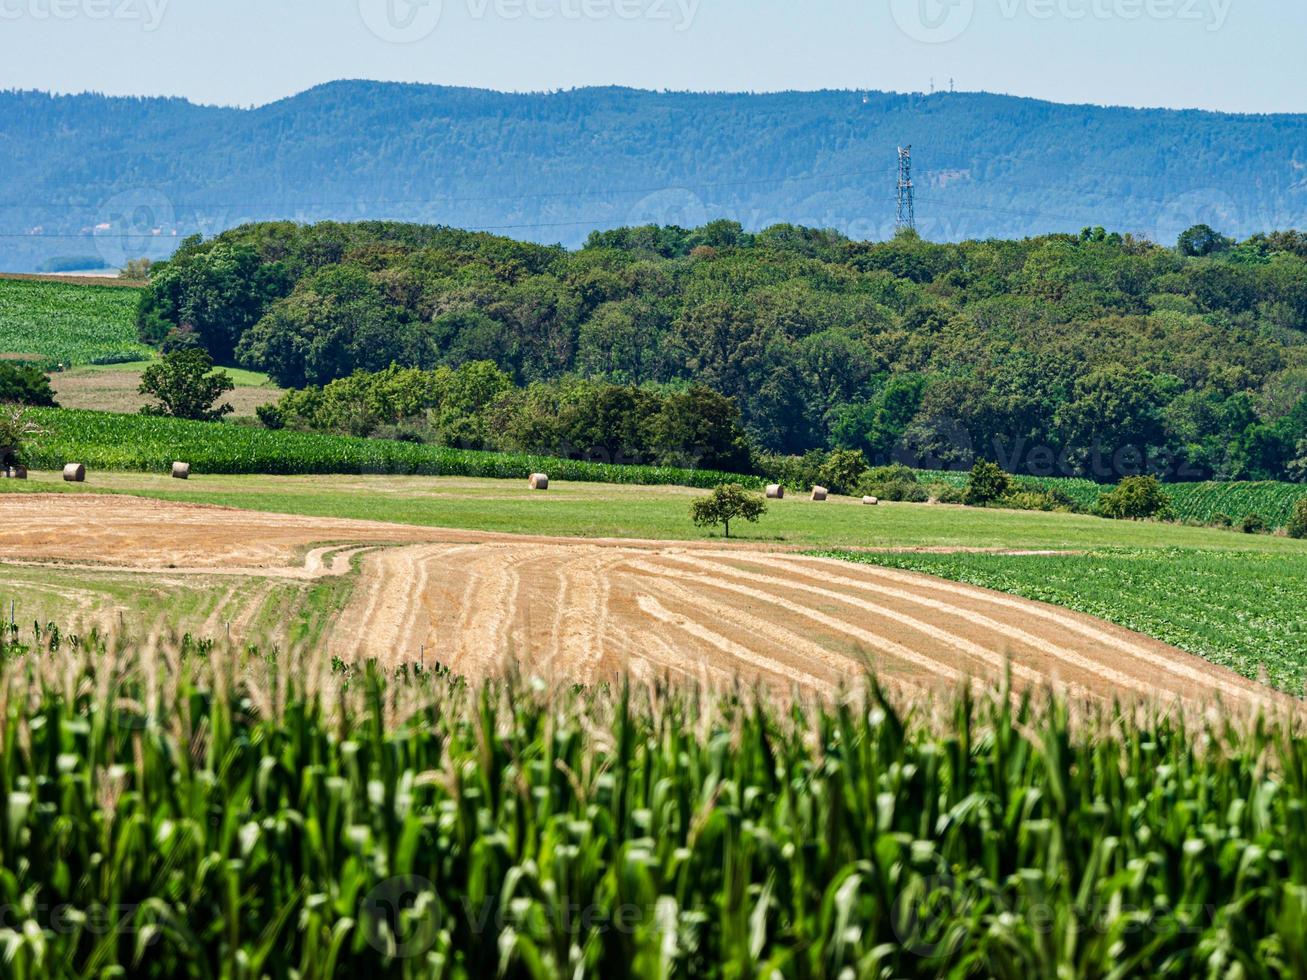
(181, 810)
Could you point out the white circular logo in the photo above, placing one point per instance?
(401, 917)
(674, 206)
(1205, 206)
(933, 21)
(137, 224)
(401, 21)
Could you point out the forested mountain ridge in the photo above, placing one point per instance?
(105, 179)
(1096, 354)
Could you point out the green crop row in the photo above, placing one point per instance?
(207, 814)
(130, 442)
(59, 323)
(1242, 610)
(1203, 503)
(103, 440)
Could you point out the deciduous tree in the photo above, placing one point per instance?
(729, 502)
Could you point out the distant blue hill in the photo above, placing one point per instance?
(124, 177)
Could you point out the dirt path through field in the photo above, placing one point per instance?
(581, 611)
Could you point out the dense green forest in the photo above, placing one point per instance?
(1093, 354)
(91, 180)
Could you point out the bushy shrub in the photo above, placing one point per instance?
(796, 473)
(912, 493)
(271, 416)
(843, 471)
(944, 493)
(1298, 522)
(894, 473)
(1254, 524)
(893, 483)
(1136, 498)
(1043, 500)
(986, 484)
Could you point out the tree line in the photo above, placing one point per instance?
(1095, 354)
(477, 406)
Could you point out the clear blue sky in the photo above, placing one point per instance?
(1238, 55)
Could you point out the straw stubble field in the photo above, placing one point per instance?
(585, 611)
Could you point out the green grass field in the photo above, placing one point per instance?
(115, 441)
(610, 510)
(69, 324)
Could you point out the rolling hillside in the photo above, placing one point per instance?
(94, 180)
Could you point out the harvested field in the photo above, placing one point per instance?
(116, 388)
(583, 611)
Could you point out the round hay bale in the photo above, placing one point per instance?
(871, 501)
(74, 473)
(775, 492)
(181, 471)
(17, 473)
(539, 481)
(820, 493)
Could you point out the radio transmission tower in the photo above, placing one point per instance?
(907, 216)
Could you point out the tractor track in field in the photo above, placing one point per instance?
(580, 611)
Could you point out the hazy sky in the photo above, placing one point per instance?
(1241, 55)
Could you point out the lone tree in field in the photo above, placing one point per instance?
(986, 484)
(184, 388)
(729, 502)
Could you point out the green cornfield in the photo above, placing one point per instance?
(1201, 503)
(70, 324)
(1205, 501)
(181, 810)
(104, 440)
